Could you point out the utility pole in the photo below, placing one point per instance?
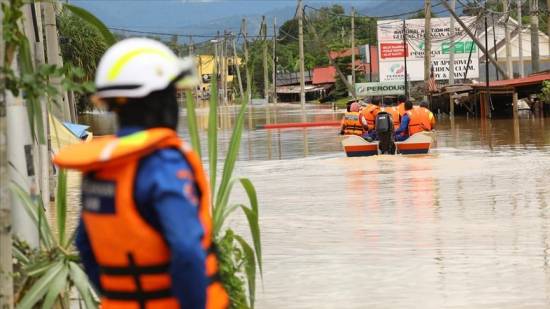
(369, 51)
(54, 58)
(473, 37)
(520, 40)
(495, 43)
(452, 51)
(301, 47)
(263, 31)
(548, 21)
(33, 31)
(246, 62)
(535, 56)
(509, 66)
(274, 60)
(237, 63)
(216, 65)
(6, 259)
(405, 54)
(191, 46)
(487, 89)
(225, 66)
(353, 47)
(427, 42)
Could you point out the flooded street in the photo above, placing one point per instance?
(467, 226)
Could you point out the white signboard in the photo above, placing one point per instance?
(391, 51)
(381, 88)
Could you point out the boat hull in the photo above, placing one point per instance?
(420, 143)
(356, 146)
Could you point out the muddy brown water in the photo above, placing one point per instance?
(466, 226)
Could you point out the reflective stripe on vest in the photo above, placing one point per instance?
(133, 257)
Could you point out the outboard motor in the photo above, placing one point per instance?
(384, 130)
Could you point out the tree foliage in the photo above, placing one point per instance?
(82, 45)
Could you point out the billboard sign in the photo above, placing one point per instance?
(380, 88)
(392, 50)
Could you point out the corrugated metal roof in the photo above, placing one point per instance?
(517, 82)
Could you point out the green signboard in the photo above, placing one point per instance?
(460, 47)
(380, 88)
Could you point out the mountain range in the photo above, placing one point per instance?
(206, 17)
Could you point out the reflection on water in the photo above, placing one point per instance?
(466, 226)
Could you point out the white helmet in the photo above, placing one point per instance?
(135, 67)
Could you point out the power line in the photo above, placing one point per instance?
(177, 34)
(371, 17)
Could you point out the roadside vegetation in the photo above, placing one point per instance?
(51, 274)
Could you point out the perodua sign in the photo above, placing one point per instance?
(392, 51)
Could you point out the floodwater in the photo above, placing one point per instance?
(467, 226)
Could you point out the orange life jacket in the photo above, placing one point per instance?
(419, 120)
(394, 115)
(351, 124)
(133, 257)
(431, 117)
(369, 114)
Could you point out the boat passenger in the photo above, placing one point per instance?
(145, 232)
(419, 120)
(401, 104)
(350, 122)
(425, 105)
(368, 114)
(402, 133)
(393, 111)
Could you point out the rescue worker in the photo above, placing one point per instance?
(368, 119)
(417, 120)
(145, 232)
(368, 114)
(425, 106)
(350, 122)
(402, 133)
(401, 104)
(392, 110)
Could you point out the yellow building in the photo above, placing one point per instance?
(206, 66)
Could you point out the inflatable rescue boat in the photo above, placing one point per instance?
(419, 143)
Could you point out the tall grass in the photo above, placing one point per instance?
(237, 249)
(50, 272)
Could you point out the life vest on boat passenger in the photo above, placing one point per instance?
(351, 124)
(368, 116)
(419, 120)
(133, 257)
(394, 115)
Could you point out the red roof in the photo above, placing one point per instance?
(517, 82)
(324, 75)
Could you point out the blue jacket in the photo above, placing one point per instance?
(162, 202)
(403, 129)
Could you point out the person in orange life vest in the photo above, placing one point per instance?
(350, 122)
(425, 105)
(145, 232)
(401, 105)
(402, 133)
(368, 114)
(392, 110)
